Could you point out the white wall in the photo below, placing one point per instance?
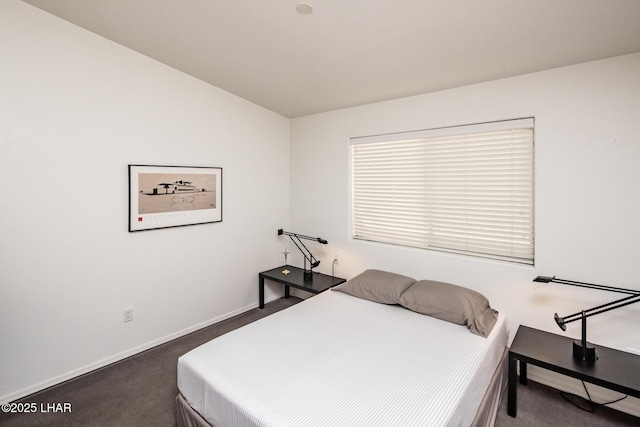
(587, 178)
(75, 110)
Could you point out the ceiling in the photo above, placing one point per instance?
(355, 52)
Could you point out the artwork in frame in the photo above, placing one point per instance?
(173, 196)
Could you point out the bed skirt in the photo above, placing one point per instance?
(186, 416)
(486, 415)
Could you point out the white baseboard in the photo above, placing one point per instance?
(123, 355)
(630, 405)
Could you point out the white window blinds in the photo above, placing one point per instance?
(465, 189)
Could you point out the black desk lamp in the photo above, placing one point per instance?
(308, 256)
(583, 350)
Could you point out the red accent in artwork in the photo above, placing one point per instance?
(139, 219)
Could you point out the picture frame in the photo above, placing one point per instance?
(173, 196)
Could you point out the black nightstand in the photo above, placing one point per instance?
(319, 283)
(614, 369)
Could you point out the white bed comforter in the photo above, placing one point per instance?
(337, 360)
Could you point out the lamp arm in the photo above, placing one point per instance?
(548, 279)
(307, 255)
(301, 236)
(632, 299)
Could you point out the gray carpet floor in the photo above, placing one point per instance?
(539, 405)
(140, 391)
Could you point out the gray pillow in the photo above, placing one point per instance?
(451, 303)
(377, 286)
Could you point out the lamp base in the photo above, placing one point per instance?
(588, 352)
(307, 275)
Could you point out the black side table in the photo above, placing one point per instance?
(319, 283)
(614, 369)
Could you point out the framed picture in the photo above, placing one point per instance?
(173, 196)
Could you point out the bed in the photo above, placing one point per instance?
(363, 355)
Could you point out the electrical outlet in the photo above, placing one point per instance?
(128, 314)
(336, 260)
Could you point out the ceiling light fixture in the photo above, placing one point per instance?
(304, 8)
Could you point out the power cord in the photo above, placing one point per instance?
(333, 268)
(586, 404)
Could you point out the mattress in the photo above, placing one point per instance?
(337, 360)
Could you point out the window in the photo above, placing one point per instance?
(466, 189)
